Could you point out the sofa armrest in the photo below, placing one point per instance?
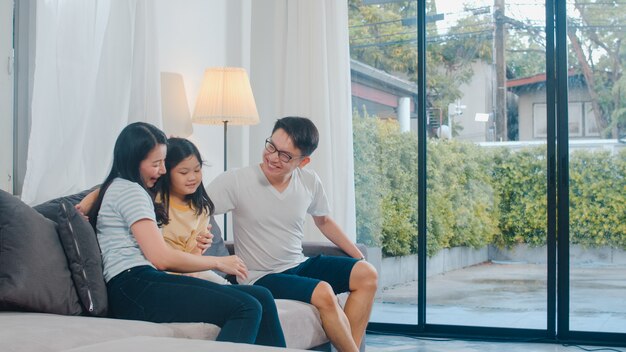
(313, 248)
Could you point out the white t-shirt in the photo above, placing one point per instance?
(124, 203)
(268, 225)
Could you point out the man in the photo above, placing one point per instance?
(269, 202)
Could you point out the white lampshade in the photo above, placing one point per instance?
(225, 96)
(174, 107)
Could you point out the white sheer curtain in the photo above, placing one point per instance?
(301, 65)
(96, 70)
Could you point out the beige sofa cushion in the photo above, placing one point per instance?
(296, 318)
(169, 344)
(40, 332)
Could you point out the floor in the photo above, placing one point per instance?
(387, 343)
(510, 295)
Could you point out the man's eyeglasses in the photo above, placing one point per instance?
(283, 156)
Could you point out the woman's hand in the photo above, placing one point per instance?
(233, 265)
(204, 240)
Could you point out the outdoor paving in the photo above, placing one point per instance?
(512, 295)
(386, 343)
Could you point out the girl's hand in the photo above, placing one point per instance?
(87, 202)
(81, 211)
(233, 265)
(204, 241)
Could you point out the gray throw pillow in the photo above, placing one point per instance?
(50, 209)
(218, 248)
(33, 269)
(83, 256)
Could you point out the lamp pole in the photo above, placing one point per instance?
(225, 168)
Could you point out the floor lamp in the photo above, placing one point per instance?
(225, 98)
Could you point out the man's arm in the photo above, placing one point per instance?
(333, 232)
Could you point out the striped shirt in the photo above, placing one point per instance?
(124, 203)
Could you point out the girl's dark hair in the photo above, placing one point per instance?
(179, 149)
(302, 132)
(131, 147)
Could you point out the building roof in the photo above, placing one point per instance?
(538, 79)
(373, 77)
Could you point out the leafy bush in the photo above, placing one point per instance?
(477, 196)
(520, 180)
(369, 181)
(598, 199)
(386, 183)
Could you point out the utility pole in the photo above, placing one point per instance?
(500, 118)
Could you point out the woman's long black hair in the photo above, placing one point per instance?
(131, 147)
(179, 149)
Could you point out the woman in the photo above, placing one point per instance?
(135, 255)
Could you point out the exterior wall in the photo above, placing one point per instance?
(528, 99)
(478, 98)
(403, 269)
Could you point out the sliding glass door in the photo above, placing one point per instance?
(514, 139)
(487, 177)
(597, 166)
(383, 67)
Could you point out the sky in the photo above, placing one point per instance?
(521, 10)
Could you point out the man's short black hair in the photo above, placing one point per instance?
(302, 132)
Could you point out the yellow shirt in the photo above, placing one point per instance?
(184, 226)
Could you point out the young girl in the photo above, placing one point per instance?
(187, 205)
(135, 254)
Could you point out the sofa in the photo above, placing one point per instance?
(53, 295)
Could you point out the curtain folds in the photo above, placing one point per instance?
(304, 45)
(96, 70)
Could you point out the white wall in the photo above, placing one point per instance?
(6, 96)
(197, 34)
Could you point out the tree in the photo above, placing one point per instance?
(596, 37)
(385, 35)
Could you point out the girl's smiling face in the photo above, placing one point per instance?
(185, 177)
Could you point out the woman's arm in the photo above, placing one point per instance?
(163, 257)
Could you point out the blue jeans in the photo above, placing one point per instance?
(245, 314)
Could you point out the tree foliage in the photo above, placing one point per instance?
(384, 36)
(596, 32)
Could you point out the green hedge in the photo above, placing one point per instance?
(477, 196)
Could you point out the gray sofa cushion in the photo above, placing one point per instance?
(218, 247)
(34, 275)
(83, 256)
(50, 209)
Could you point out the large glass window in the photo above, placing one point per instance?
(491, 197)
(597, 166)
(6, 97)
(486, 164)
(383, 66)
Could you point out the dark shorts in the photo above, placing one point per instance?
(299, 282)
